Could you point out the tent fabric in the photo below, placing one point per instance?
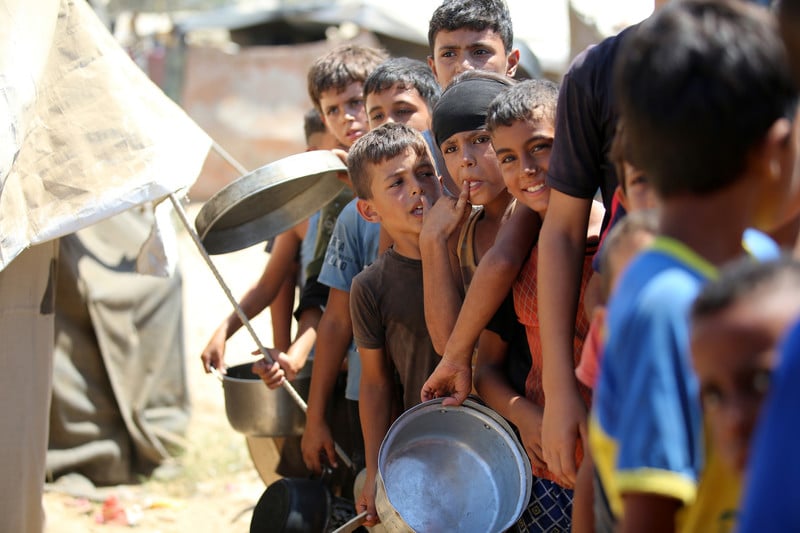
(98, 138)
(120, 398)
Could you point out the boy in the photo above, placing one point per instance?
(453, 241)
(394, 179)
(707, 164)
(521, 122)
(391, 90)
(471, 34)
(737, 323)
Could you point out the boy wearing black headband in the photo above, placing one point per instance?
(471, 34)
(453, 239)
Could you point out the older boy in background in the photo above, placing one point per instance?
(471, 34)
(395, 181)
(719, 156)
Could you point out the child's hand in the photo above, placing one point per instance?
(450, 380)
(317, 446)
(564, 421)
(366, 502)
(445, 216)
(530, 431)
(273, 375)
(214, 353)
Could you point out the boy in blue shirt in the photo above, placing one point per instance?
(707, 101)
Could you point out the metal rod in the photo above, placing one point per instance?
(228, 158)
(242, 316)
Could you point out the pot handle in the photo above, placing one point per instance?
(217, 374)
(352, 524)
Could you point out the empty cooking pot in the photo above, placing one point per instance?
(255, 410)
(443, 469)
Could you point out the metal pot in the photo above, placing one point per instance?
(451, 469)
(255, 410)
(292, 505)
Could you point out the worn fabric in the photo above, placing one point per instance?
(549, 509)
(120, 397)
(386, 303)
(27, 291)
(586, 121)
(527, 309)
(465, 249)
(352, 247)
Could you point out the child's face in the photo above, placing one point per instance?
(470, 158)
(523, 151)
(344, 114)
(638, 191)
(398, 104)
(322, 140)
(398, 186)
(734, 353)
(465, 49)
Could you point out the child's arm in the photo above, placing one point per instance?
(583, 496)
(494, 388)
(493, 279)
(333, 337)
(441, 276)
(256, 299)
(375, 408)
(561, 247)
(287, 364)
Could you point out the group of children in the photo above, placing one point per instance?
(469, 255)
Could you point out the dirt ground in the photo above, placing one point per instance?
(213, 486)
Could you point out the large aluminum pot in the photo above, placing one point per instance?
(447, 469)
(255, 410)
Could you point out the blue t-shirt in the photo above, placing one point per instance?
(770, 496)
(646, 426)
(352, 248)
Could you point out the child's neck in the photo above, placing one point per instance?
(711, 225)
(407, 246)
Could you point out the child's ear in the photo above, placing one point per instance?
(367, 211)
(513, 62)
(432, 65)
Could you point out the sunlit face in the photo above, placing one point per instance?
(638, 191)
(398, 186)
(523, 152)
(457, 51)
(344, 114)
(470, 158)
(734, 352)
(398, 104)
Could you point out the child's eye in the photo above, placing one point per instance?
(507, 159)
(404, 111)
(448, 53)
(481, 51)
(332, 111)
(539, 147)
(376, 117)
(711, 397)
(481, 139)
(449, 149)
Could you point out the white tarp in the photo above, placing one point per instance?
(84, 134)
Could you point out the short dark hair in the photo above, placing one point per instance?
(527, 100)
(698, 85)
(312, 123)
(410, 73)
(376, 146)
(743, 278)
(340, 67)
(476, 15)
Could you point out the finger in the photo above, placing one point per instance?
(463, 197)
(330, 453)
(455, 399)
(426, 205)
(568, 470)
(206, 363)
